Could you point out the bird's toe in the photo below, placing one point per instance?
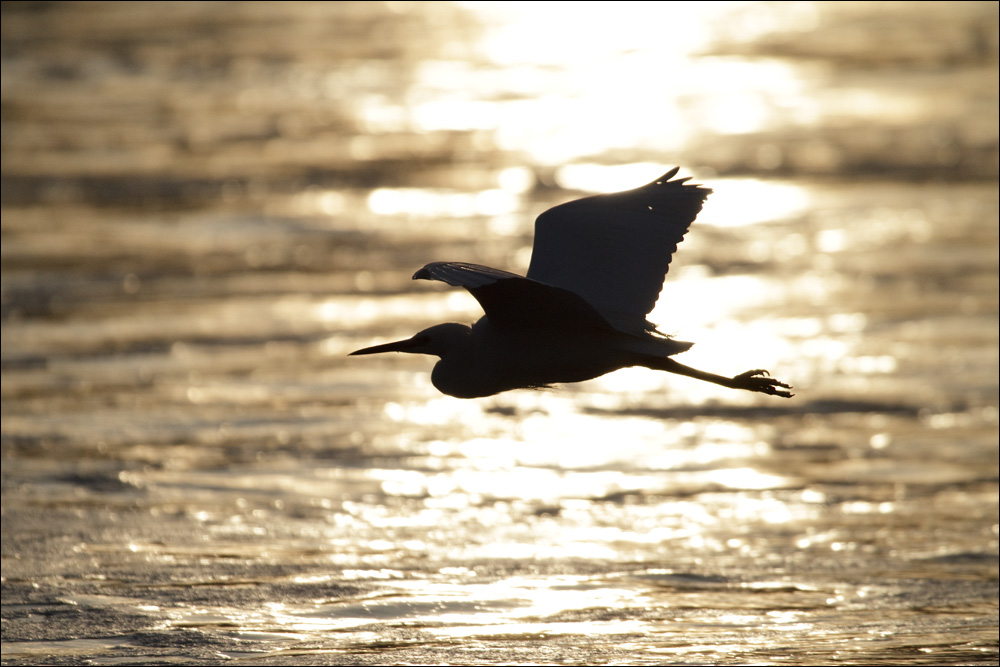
(753, 373)
(760, 380)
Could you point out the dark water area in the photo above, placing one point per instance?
(207, 206)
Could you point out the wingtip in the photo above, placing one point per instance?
(665, 180)
(424, 273)
(667, 176)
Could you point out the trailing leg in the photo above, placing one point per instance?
(755, 380)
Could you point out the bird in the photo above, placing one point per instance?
(597, 267)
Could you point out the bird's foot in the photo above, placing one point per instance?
(760, 380)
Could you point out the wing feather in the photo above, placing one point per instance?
(512, 301)
(614, 250)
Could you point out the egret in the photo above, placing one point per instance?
(596, 270)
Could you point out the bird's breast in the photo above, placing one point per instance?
(501, 359)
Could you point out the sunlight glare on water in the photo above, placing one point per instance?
(744, 201)
(641, 56)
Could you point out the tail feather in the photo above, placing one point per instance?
(656, 346)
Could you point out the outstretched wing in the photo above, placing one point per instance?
(512, 301)
(614, 249)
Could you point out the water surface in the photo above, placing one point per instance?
(207, 206)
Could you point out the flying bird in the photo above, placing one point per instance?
(597, 267)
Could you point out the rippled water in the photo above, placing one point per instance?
(207, 206)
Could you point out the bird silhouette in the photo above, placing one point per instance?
(597, 267)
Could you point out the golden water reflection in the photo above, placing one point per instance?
(198, 228)
(645, 56)
(544, 607)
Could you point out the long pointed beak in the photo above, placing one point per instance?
(408, 345)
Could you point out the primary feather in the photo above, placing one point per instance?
(614, 250)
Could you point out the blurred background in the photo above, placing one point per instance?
(207, 205)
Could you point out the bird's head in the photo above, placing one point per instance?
(437, 341)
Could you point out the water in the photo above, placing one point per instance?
(206, 207)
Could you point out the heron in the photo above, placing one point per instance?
(597, 267)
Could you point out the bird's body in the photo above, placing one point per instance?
(596, 271)
(483, 360)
